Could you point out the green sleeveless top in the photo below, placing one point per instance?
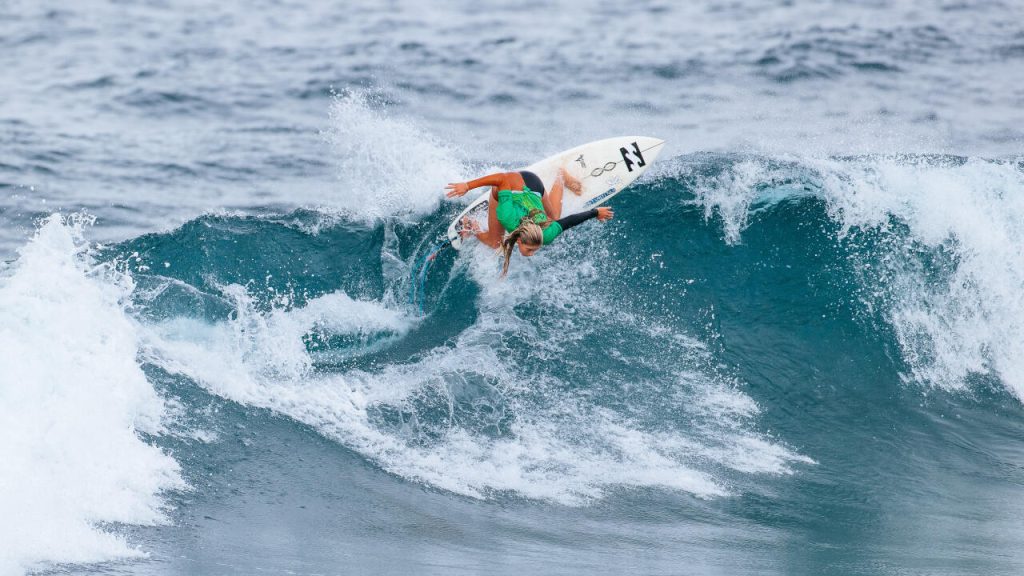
(514, 205)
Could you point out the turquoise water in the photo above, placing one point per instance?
(795, 350)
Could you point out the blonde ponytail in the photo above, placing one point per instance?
(529, 231)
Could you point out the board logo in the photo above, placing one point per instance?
(602, 169)
(635, 157)
(597, 199)
(583, 164)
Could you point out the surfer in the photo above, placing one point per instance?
(518, 205)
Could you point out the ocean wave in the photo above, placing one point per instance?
(501, 404)
(560, 383)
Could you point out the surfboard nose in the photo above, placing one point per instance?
(648, 141)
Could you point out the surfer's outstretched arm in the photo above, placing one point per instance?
(602, 213)
(497, 181)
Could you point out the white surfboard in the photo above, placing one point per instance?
(603, 167)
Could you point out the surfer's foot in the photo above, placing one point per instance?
(570, 181)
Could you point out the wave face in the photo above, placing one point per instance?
(548, 385)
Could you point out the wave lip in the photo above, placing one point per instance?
(73, 400)
(952, 286)
(934, 243)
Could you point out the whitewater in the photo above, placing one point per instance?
(795, 350)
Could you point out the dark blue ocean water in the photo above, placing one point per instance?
(797, 349)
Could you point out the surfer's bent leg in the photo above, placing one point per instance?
(553, 200)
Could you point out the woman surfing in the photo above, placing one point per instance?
(519, 205)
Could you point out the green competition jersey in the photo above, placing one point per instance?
(514, 205)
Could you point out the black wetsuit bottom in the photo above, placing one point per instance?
(532, 182)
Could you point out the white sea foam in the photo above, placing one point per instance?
(539, 459)
(73, 399)
(731, 194)
(387, 166)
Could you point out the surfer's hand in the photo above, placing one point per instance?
(456, 189)
(605, 213)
